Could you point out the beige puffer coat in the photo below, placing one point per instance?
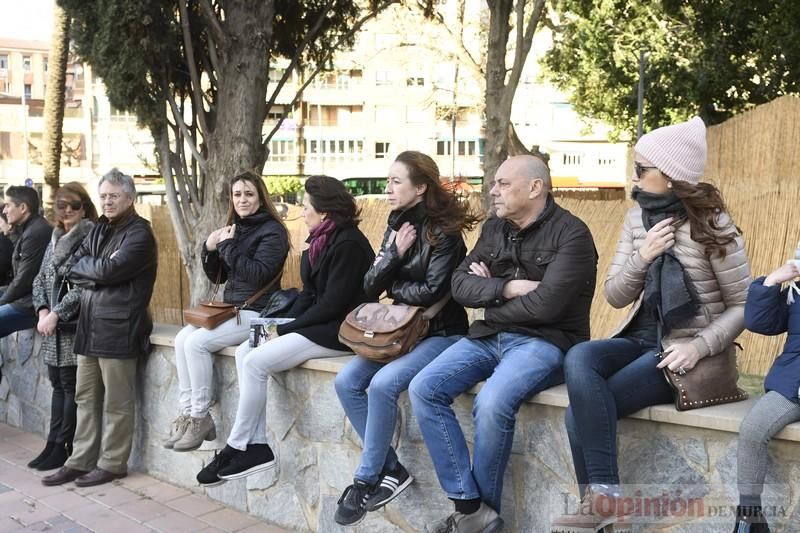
(720, 284)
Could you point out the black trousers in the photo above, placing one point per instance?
(63, 409)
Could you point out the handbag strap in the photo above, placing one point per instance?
(261, 292)
(433, 310)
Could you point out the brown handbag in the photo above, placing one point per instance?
(712, 381)
(210, 314)
(383, 332)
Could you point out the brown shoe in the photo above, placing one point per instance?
(65, 474)
(98, 476)
(596, 512)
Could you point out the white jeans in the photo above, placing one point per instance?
(254, 367)
(194, 357)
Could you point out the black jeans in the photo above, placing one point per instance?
(63, 409)
(607, 380)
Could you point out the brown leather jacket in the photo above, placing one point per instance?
(720, 284)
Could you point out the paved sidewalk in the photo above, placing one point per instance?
(137, 503)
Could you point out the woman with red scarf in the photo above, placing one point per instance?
(332, 270)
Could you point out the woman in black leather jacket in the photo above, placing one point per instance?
(421, 248)
(246, 255)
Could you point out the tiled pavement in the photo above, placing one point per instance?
(137, 503)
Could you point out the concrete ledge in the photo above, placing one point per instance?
(726, 417)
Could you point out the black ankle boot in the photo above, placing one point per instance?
(56, 459)
(48, 449)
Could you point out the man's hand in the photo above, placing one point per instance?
(519, 287)
(480, 269)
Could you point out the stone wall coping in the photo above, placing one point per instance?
(726, 417)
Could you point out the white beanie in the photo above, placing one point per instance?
(679, 151)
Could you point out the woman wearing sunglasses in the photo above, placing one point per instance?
(57, 304)
(681, 265)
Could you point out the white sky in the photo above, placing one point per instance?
(26, 19)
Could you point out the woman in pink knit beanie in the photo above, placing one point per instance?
(681, 266)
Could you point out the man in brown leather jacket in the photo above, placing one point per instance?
(533, 271)
(116, 266)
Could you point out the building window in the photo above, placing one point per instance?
(571, 159)
(442, 147)
(275, 75)
(3, 61)
(381, 149)
(415, 81)
(28, 91)
(605, 161)
(26, 63)
(383, 77)
(44, 63)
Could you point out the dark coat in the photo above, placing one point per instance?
(58, 260)
(6, 253)
(250, 260)
(34, 236)
(331, 288)
(116, 268)
(558, 250)
(422, 276)
(768, 313)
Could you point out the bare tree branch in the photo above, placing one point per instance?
(178, 116)
(198, 107)
(524, 41)
(214, 24)
(181, 231)
(332, 50)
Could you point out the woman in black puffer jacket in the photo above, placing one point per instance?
(246, 255)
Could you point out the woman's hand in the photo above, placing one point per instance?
(405, 238)
(47, 323)
(219, 235)
(680, 357)
(782, 274)
(660, 238)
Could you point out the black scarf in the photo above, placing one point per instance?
(668, 291)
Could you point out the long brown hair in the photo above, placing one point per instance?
(444, 209)
(704, 203)
(74, 188)
(263, 196)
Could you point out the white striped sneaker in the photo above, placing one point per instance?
(390, 485)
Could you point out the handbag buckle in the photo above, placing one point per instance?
(369, 334)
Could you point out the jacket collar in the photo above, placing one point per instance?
(339, 234)
(416, 215)
(124, 220)
(546, 214)
(65, 243)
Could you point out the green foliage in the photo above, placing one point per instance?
(282, 185)
(708, 57)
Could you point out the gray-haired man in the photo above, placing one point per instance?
(116, 266)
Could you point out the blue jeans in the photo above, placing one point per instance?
(374, 415)
(515, 367)
(607, 380)
(12, 320)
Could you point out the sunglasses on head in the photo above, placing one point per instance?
(640, 168)
(74, 204)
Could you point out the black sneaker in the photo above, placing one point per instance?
(256, 458)
(353, 503)
(209, 476)
(390, 485)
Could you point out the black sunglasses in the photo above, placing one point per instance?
(74, 204)
(640, 168)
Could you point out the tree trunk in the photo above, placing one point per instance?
(498, 106)
(54, 106)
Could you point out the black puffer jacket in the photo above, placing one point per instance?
(423, 275)
(557, 250)
(34, 236)
(331, 289)
(116, 267)
(250, 260)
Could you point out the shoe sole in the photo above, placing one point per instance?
(250, 471)
(349, 524)
(495, 526)
(213, 484)
(394, 495)
(609, 528)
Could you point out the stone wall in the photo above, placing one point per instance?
(318, 451)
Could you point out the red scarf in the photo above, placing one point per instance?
(318, 238)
